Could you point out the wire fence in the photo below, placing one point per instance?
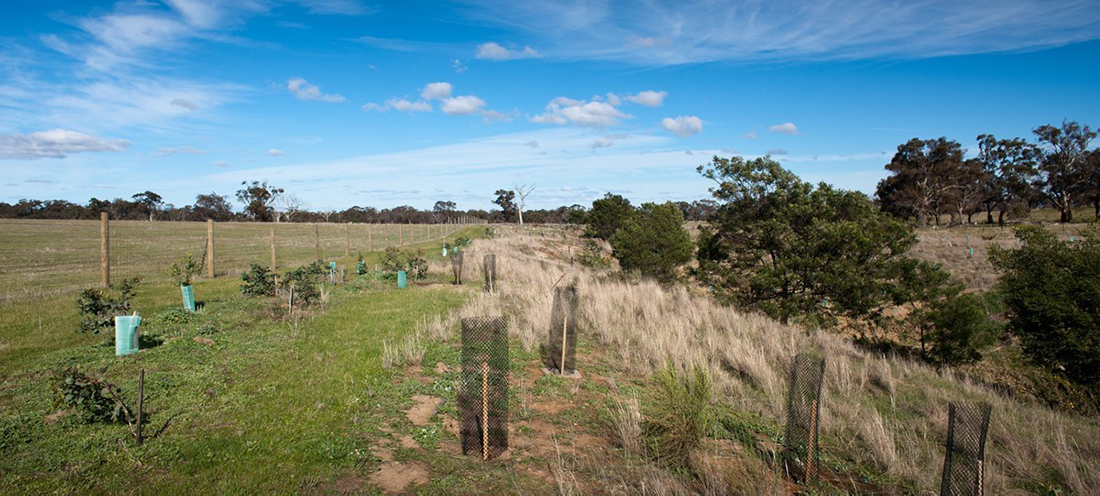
(40, 258)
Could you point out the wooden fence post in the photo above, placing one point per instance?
(210, 248)
(140, 405)
(370, 239)
(347, 239)
(317, 238)
(273, 246)
(400, 234)
(104, 250)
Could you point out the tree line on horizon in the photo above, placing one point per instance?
(263, 202)
(932, 178)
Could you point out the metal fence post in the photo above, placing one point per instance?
(104, 250)
(210, 248)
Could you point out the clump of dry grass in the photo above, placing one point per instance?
(408, 351)
(883, 413)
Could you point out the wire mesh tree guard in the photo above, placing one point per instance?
(801, 451)
(964, 459)
(483, 397)
(561, 351)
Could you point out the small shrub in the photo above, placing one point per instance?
(99, 307)
(490, 233)
(592, 256)
(181, 271)
(94, 400)
(258, 281)
(679, 416)
(960, 328)
(360, 266)
(462, 241)
(415, 266)
(306, 281)
(392, 260)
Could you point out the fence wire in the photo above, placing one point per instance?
(40, 258)
(489, 270)
(483, 397)
(964, 459)
(801, 449)
(457, 261)
(562, 349)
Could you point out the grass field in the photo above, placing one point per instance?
(43, 257)
(359, 395)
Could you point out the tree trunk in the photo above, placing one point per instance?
(1001, 217)
(1067, 212)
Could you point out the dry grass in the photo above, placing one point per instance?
(964, 251)
(882, 413)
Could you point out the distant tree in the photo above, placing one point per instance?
(1065, 150)
(1051, 292)
(1010, 171)
(444, 209)
(257, 199)
(925, 176)
(506, 199)
(971, 185)
(149, 202)
(213, 206)
(653, 241)
(792, 250)
(960, 328)
(287, 205)
(522, 190)
(607, 215)
(576, 214)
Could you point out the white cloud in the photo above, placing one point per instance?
(563, 110)
(275, 152)
(458, 67)
(777, 151)
(613, 99)
(221, 164)
(56, 143)
(648, 98)
(308, 92)
(601, 143)
(402, 105)
(434, 91)
(691, 31)
(169, 151)
(684, 125)
(749, 135)
(785, 128)
(493, 51)
(462, 105)
(367, 107)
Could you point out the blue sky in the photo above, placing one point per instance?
(343, 102)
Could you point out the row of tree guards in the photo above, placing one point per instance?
(405, 234)
(483, 396)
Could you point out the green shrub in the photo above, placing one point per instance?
(607, 215)
(415, 266)
(258, 281)
(306, 281)
(592, 256)
(181, 271)
(490, 233)
(1051, 293)
(94, 400)
(678, 417)
(99, 307)
(653, 241)
(960, 328)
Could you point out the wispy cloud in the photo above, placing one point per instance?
(275, 152)
(687, 31)
(56, 143)
(461, 105)
(648, 98)
(174, 150)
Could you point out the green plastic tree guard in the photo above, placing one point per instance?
(126, 336)
(444, 251)
(188, 297)
(401, 279)
(361, 268)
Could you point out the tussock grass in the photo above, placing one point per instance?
(885, 415)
